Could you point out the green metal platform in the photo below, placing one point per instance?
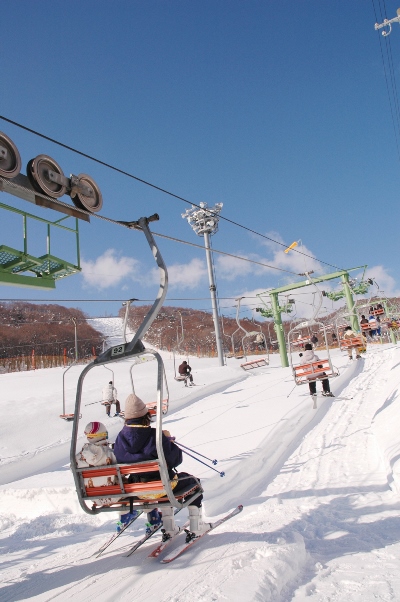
(15, 265)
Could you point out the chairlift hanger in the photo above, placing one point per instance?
(314, 371)
(64, 415)
(247, 333)
(344, 344)
(133, 349)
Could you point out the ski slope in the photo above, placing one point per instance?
(320, 488)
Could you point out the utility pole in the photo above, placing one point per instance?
(204, 222)
(76, 339)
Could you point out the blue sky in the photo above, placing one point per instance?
(279, 110)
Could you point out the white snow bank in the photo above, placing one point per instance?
(386, 423)
(319, 520)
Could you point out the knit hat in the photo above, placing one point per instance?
(95, 431)
(134, 407)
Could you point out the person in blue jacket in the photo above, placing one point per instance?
(136, 442)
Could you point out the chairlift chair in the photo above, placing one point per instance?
(238, 357)
(140, 495)
(314, 371)
(356, 342)
(64, 415)
(180, 377)
(253, 364)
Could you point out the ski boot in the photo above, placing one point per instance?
(124, 519)
(327, 394)
(154, 520)
(197, 527)
(168, 520)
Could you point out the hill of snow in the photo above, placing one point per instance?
(320, 488)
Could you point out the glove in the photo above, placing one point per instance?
(300, 355)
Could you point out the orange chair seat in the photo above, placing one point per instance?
(318, 369)
(352, 342)
(254, 364)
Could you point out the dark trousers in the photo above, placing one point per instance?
(117, 407)
(325, 386)
(187, 375)
(184, 480)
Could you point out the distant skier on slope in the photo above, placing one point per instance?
(309, 357)
(110, 397)
(136, 442)
(185, 370)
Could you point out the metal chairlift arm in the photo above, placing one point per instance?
(143, 224)
(129, 350)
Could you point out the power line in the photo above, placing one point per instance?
(192, 244)
(392, 94)
(185, 242)
(129, 175)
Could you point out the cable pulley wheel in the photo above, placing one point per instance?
(91, 203)
(38, 174)
(10, 160)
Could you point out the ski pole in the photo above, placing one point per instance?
(221, 474)
(196, 452)
(291, 392)
(93, 402)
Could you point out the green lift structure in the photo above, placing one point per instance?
(45, 269)
(277, 310)
(18, 267)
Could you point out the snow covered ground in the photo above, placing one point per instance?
(320, 488)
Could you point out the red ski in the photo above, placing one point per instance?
(178, 551)
(161, 547)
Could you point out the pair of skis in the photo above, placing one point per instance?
(163, 544)
(182, 548)
(116, 535)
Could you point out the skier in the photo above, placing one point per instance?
(185, 370)
(349, 334)
(314, 340)
(97, 452)
(364, 320)
(309, 357)
(110, 397)
(136, 442)
(260, 341)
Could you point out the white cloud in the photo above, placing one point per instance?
(108, 270)
(229, 268)
(298, 260)
(386, 282)
(184, 275)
